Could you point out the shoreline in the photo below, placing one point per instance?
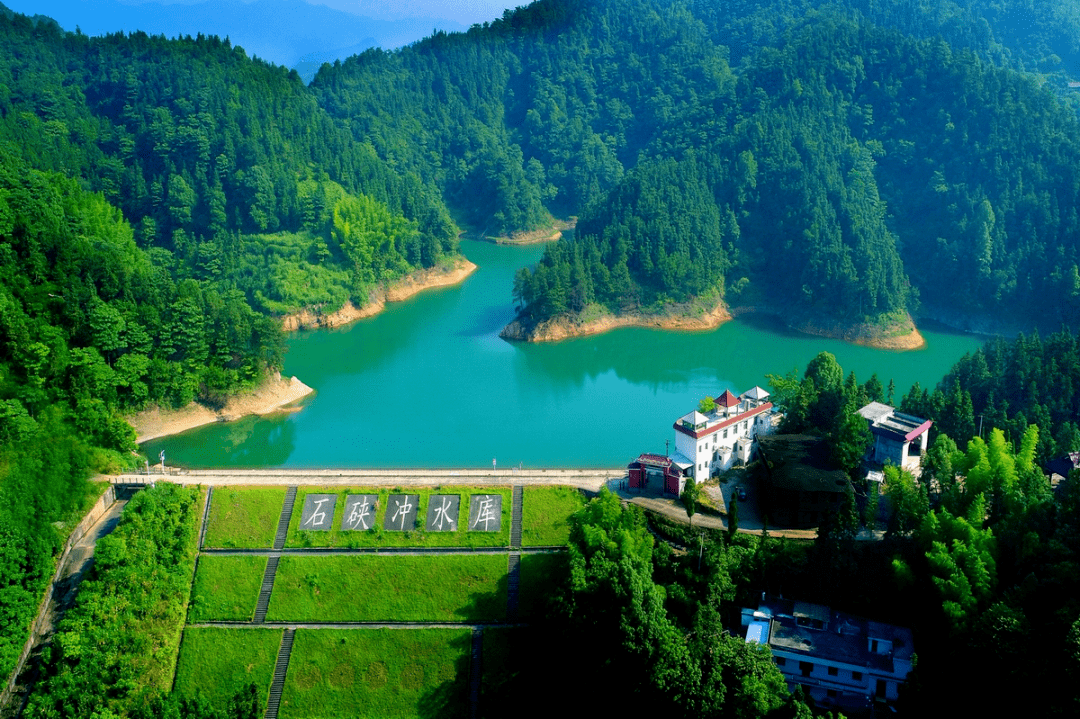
(564, 327)
(398, 291)
(275, 394)
(543, 236)
(569, 327)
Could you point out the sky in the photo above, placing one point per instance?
(293, 33)
(463, 12)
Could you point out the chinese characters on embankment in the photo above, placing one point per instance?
(402, 511)
(318, 514)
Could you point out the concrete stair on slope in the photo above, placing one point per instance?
(266, 590)
(286, 515)
(280, 670)
(474, 672)
(512, 583)
(515, 522)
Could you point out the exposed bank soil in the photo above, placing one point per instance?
(678, 317)
(901, 335)
(537, 237)
(397, 291)
(276, 394)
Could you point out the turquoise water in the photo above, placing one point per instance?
(428, 383)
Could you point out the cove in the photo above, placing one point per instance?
(428, 383)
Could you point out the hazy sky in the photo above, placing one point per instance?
(465, 12)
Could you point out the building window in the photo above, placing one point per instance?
(831, 693)
(725, 434)
(780, 661)
(856, 676)
(833, 671)
(805, 668)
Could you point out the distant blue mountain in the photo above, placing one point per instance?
(284, 32)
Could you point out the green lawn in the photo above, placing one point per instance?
(377, 673)
(378, 537)
(244, 517)
(226, 588)
(498, 669)
(221, 662)
(390, 588)
(540, 575)
(545, 513)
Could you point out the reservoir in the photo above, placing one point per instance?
(429, 383)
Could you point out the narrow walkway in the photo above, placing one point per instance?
(280, 670)
(205, 517)
(475, 667)
(266, 589)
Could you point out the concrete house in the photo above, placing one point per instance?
(899, 438)
(839, 659)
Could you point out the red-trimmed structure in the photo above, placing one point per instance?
(711, 443)
(655, 471)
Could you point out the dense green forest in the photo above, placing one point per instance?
(162, 201)
(856, 160)
(979, 557)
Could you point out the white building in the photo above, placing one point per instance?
(898, 438)
(839, 659)
(709, 443)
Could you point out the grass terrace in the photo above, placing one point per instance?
(244, 517)
(377, 673)
(545, 515)
(379, 537)
(218, 663)
(540, 573)
(226, 588)
(389, 588)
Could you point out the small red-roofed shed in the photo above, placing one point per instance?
(655, 465)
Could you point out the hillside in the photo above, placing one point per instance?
(836, 163)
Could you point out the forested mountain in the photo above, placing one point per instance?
(159, 202)
(843, 159)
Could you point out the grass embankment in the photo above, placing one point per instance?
(218, 663)
(379, 537)
(244, 517)
(389, 588)
(545, 515)
(226, 588)
(540, 573)
(377, 673)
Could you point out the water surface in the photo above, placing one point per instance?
(428, 383)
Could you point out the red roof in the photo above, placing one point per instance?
(726, 423)
(727, 399)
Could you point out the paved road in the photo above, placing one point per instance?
(396, 551)
(354, 625)
(591, 479)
